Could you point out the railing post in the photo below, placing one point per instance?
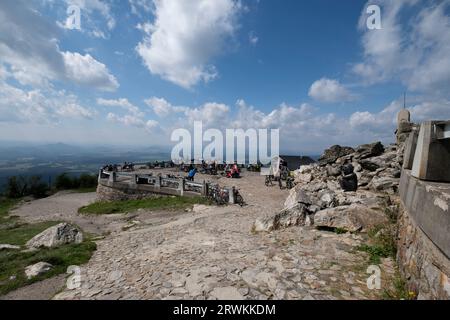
(231, 195)
(158, 182)
(100, 174)
(204, 188)
(113, 177)
(181, 186)
(133, 181)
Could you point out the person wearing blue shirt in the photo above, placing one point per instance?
(191, 174)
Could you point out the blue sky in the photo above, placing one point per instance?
(138, 69)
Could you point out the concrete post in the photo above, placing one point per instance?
(205, 189)
(133, 181)
(231, 195)
(112, 177)
(432, 156)
(181, 186)
(158, 182)
(410, 150)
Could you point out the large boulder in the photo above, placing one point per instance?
(369, 165)
(369, 150)
(286, 218)
(60, 234)
(385, 184)
(332, 154)
(352, 218)
(37, 269)
(334, 171)
(295, 197)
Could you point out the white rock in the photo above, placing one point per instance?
(294, 216)
(9, 247)
(60, 234)
(37, 269)
(304, 177)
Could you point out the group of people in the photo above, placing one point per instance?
(110, 168)
(212, 168)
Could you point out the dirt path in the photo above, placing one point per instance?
(63, 206)
(212, 254)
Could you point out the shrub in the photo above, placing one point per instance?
(18, 187)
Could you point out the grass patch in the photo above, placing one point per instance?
(19, 234)
(13, 263)
(376, 252)
(6, 205)
(163, 203)
(332, 229)
(381, 243)
(400, 291)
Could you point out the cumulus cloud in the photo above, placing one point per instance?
(133, 116)
(181, 49)
(18, 105)
(87, 71)
(329, 90)
(413, 48)
(162, 108)
(29, 47)
(139, 6)
(121, 103)
(132, 121)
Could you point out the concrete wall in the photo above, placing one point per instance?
(424, 236)
(105, 193)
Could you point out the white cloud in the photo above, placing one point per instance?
(18, 105)
(329, 90)
(132, 121)
(162, 108)
(139, 6)
(134, 117)
(413, 48)
(185, 36)
(252, 38)
(121, 103)
(211, 113)
(30, 48)
(87, 71)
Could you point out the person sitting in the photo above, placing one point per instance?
(191, 174)
(349, 180)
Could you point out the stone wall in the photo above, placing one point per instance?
(424, 236)
(424, 266)
(105, 193)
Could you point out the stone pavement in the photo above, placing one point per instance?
(212, 254)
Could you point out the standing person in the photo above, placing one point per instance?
(191, 174)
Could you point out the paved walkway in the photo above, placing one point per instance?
(212, 254)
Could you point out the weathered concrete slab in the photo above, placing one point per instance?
(428, 204)
(432, 156)
(410, 150)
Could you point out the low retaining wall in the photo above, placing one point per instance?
(105, 193)
(424, 236)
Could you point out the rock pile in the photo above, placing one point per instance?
(319, 200)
